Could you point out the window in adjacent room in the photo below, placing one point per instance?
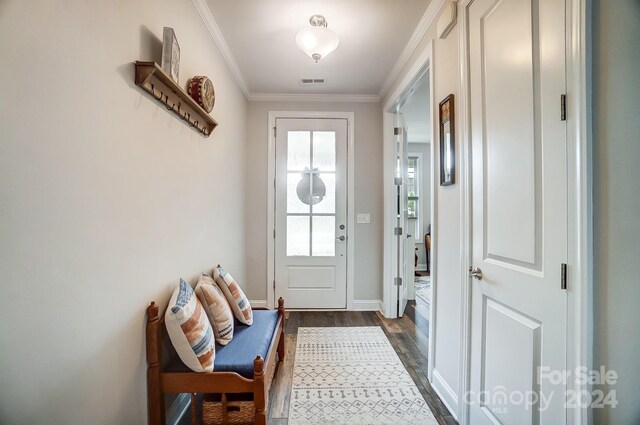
(413, 194)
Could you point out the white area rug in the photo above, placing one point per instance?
(352, 376)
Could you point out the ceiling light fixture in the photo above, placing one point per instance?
(317, 41)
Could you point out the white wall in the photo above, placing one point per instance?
(446, 222)
(616, 159)
(106, 199)
(368, 193)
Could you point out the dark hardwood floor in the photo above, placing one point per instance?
(409, 341)
(408, 336)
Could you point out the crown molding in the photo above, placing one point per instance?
(428, 18)
(301, 97)
(209, 22)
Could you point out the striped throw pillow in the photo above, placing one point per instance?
(237, 300)
(216, 306)
(189, 329)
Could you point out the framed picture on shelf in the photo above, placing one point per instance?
(447, 142)
(170, 53)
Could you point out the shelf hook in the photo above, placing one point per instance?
(153, 93)
(166, 102)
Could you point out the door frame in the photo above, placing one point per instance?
(580, 230)
(271, 193)
(423, 64)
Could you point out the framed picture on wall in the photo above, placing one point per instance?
(447, 142)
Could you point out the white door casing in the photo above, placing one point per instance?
(311, 236)
(519, 210)
(405, 240)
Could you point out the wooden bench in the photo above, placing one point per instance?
(169, 381)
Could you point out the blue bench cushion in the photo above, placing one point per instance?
(247, 343)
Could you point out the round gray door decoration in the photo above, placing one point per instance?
(311, 190)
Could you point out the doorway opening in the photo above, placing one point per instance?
(410, 249)
(414, 112)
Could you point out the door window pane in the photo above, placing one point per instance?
(294, 204)
(328, 202)
(298, 150)
(324, 236)
(324, 150)
(297, 236)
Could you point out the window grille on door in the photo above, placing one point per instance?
(311, 198)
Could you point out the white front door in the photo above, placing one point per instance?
(519, 207)
(311, 212)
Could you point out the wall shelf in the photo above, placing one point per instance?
(154, 80)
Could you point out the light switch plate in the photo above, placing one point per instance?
(363, 218)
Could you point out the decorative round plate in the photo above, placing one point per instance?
(201, 90)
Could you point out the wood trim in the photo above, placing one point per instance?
(465, 204)
(423, 64)
(311, 97)
(211, 25)
(427, 20)
(448, 397)
(580, 174)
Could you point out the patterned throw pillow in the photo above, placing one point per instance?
(189, 329)
(217, 308)
(237, 300)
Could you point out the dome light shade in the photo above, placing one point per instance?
(317, 41)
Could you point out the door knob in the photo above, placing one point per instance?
(475, 272)
(341, 238)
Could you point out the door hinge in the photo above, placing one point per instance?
(563, 107)
(397, 231)
(397, 131)
(397, 281)
(397, 181)
(274, 233)
(563, 276)
(274, 183)
(274, 284)
(274, 132)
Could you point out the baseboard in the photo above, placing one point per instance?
(367, 305)
(358, 305)
(446, 394)
(178, 408)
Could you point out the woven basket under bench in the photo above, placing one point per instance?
(227, 412)
(161, 382)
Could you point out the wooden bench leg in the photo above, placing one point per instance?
(155, 398)
(281, 342)
(259, 396)
(194, 409)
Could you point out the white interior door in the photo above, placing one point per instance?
(405, 242)
(519, 204)
(311, 212)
